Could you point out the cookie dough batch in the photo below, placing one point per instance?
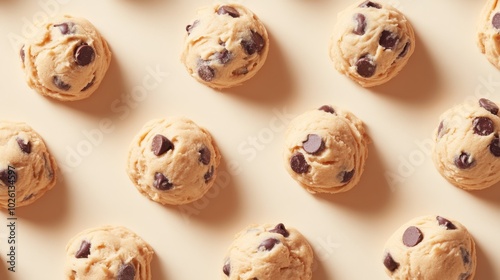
(225, 45)
(326, 150)
(430, 248)
(27, 169)
(371, 42)
(66, 60)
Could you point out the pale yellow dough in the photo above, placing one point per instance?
(347, 47)
(488, 36)
(49, 62)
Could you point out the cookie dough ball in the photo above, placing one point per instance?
(268, 252)
(326, 150)
(173, 161)
(488, 34)
(27, 169)
(225, 45)
(430, 248)
(371, 42)
(66, 60)
(108, 252)
(467, 145)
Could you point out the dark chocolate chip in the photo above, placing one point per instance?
(280, 228)
(206, 73)
(268, 244)
(25, 147)
(161, 182)
(464, 161)
(299, 164)
(8, 177)
(228, 10)
(240, 71)
(84, 250)
(483, 126)
(328, 109)
(91, 83)
(440, 130)
(63, 27)
(405, 50)
(412, 236)
(254, 44)
(58, 82)
(445, 222)
(161, 145)
(489, 105)
(126, 272)
(190, 27)
(370, 4)
(22, 54)
(224, 56)
(495, 146)
(389, 263)
(495, 21)
(84, 55)
(365, 67)
(465, 256)
(205, 155)
(227, 268)
(388, 40)
(347, 176)
(360, 24)
(314, 144)
(209, 174)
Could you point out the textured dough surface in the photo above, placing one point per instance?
(115, 253)
(488, 35)
(50, 64)
(290, 258)
(443, 253)
(338, 165)
(183, 166)
(33, 170)
(371, 43)
(224, 50)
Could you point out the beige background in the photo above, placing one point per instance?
(90, 138)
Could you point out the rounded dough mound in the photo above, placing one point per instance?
(225, 45)
(173, 161)
(26, 165)
(488, 33)
(66, 60)
(268, 252)
(371, 42)
(326, 150)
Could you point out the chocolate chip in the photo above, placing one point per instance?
(268, 244)
(412, 236)
(464, 161)
(465, 256)
(489, 105)
(299, 164)
(8, 177)
(190, 27)
(280, 228)
(370, 4)
(224, 56)
(228, 10)
(126, 272)
(227, 268)
(91, 83)
(495, 21)
(22, 54)
(365, 67)
(389, 263)
(314, 144)
(63, 27)
(347, 176)
(360, 24)
(161, 145)
(84, 55)
(25, 147)
(328, 109)
(445, 222)
(405, 50)
(254, 44)
(388, 40)
(240, 71)
(440, 130)
(161, 182)
(464, 276)
(206, 73)
(483, 126)
(209, 174)
(84, 250)
(58, 82)
(205, 155)
(495, 146)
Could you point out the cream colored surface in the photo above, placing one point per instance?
(51, 54)
(111, 247)
(345, 150)
(182, 165)
(441, 255)
(290, 258)
(35, 171)
(458, 136)
(213, 33)
(346, 47)
(488, 37)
